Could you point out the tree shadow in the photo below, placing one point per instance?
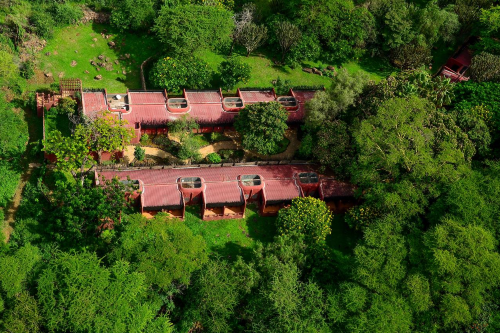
(378, 66)
(231, 250)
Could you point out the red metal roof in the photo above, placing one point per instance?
(147, 114)
(203, 96)
(281, 190)
(222, 182)
(94, 102)
(255, 96)
(333, 188)
(227, 192)
(161, 196)
(205, 106)
(156, 97)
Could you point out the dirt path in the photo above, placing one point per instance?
(128, 155)
(10, 211)
(28, 162)
(235, 143)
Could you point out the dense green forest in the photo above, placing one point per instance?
(419, 253)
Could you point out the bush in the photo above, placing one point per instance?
(144, 139)
(213, 158)
(485, 67)
(139, 153)
(28, 69)
(65, 14)
(308, 48)
(162, 140)
(232, 71)
(10, 179)
(308, 216)
(42, 24)
(175, 74)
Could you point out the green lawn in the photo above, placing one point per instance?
(77, 43)
(54, 121)
(84, 44)
(232, 237)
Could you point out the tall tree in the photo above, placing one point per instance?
(262, 126)
(164, 250)
(464, 268)
(77, 294)
(287, 35)
(343, 93)
(252, 36)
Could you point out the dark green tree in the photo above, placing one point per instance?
(186, 28)
(262, 126)
(233, 71)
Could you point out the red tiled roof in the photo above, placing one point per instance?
(156, 97)
(207, 96)
(281, 190)
(94, 102)
(224, 192)
(333, 188)
(161, 196)
(255, 96)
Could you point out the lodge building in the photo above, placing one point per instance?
(150, 111)
(224, 192)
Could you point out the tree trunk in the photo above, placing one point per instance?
(248, 53)
(231, 49)
(99, 157)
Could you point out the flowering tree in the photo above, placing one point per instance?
(308, 216)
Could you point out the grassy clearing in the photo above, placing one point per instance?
(232, 237)
(264, 71)
(84, 43)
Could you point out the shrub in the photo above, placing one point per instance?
(485, 67)
(139, 153)
(162, 140)
(308, 216)
(282, 87)
(306, 147)
(10, 179)
(144, 138)
(232, 71)
(65, 14)
(189, 149)
(175, 74)
(28, 69)
(213, 158)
